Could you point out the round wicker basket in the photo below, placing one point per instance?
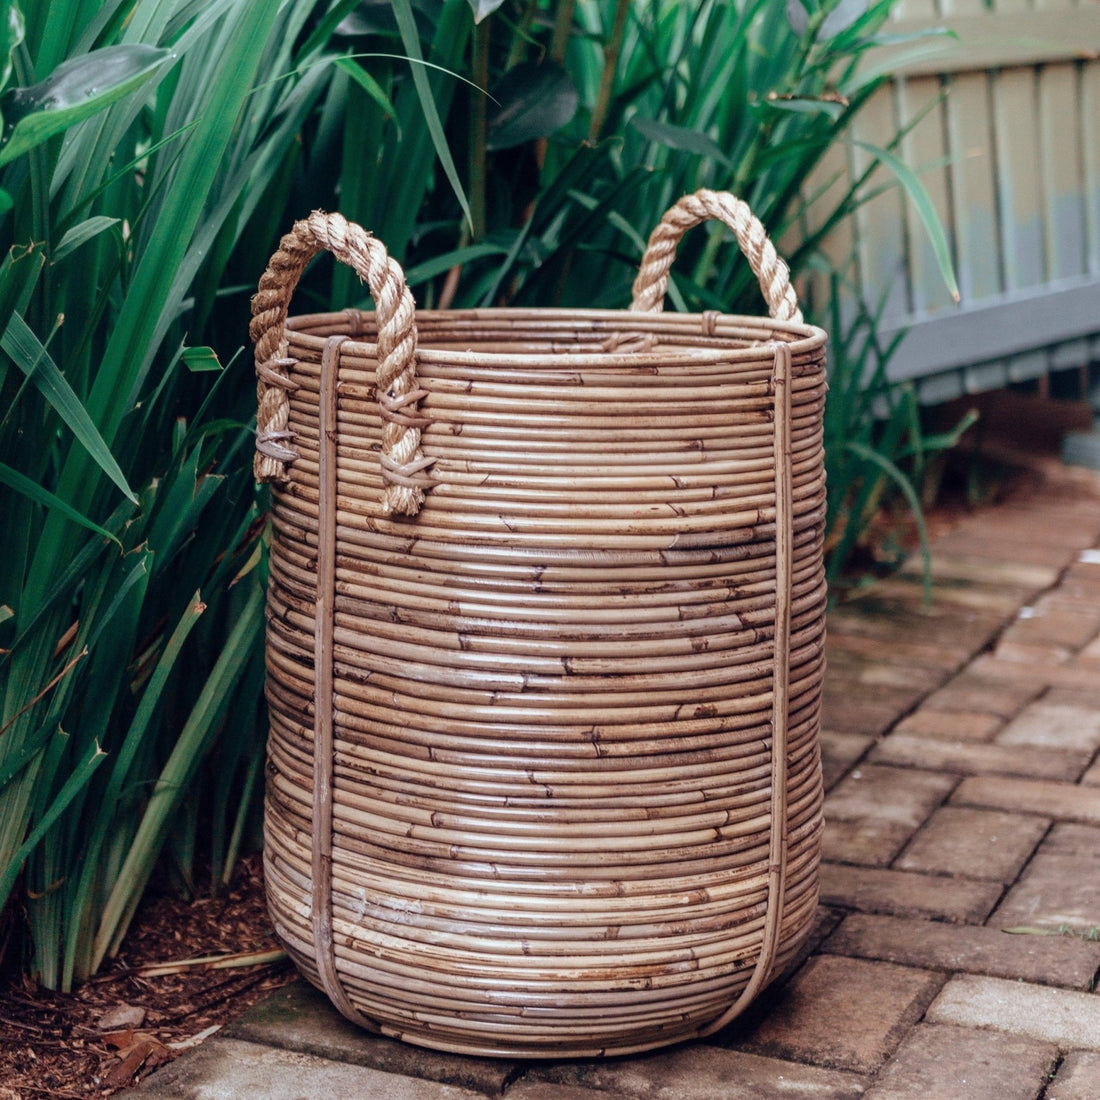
(545, 653)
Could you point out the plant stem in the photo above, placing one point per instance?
(610, 62)
(478, 128)
(563, 26)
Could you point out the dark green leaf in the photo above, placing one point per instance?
(198, 360)
(421, 273)
(76, 90)
(34, 361)
(11, 34)
(814, 106)
(680, 137)
(85, 231)
(406, 21)
(73, 785)
(368, 84)
(31, 489)
(532, 101)
(925, 208)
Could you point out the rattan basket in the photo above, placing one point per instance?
(544, 650)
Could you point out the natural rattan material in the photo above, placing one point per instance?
(544, 770)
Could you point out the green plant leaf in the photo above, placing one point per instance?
(682, 138)
(368, 84)
(34, 361)
(74, 91)
(926, 209)
(530, 101)
(79, 234)
(11, 34)
(429, 269)
(73, 785)
(173, 782)
(896, 475)
(200, 360)
(406, 21)
(23, 484)
(813, 105)
(131, 744)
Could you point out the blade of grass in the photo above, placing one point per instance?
(410, 39)
(73, 785)
(34, 361)
(172, 784)
(31, 489)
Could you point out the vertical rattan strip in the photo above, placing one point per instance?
(324, 945)
(781, 672)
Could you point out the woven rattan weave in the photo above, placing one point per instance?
(545, 652)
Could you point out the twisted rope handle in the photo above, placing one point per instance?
(403, 463)
(774, 276)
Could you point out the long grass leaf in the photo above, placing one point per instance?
(76, 90)
(926, 209)
(410, 39)
(868, 454)
(34, 361)
(31, 489)
(172, 785)
(120, 774)
(72, 787)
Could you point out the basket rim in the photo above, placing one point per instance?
(563, 323)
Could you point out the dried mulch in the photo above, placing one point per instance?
(128, 1020)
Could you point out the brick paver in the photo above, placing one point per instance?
(843, 1013)
(298, 1018)
(1068, 961)
(839, 751)
(969, 758)
(948, 1063)
(869, 842)
(1078, 1077)
(907, 893)
(1061, 801)
(1060, 720)
(1070, 839)
(901, 796)
(982, 844)
(1019, 578)
(951, 725)
(1023, 669)
(969, 691)
(690, 1073)
(225, 1068)
(1055, 891)
(1061, 1016)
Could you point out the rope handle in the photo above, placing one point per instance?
(774, 276)
(403, 463)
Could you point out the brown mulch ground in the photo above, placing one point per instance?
(126, 1022)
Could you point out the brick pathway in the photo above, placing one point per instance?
(955, 951)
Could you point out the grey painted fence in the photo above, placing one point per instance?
(1008, 145)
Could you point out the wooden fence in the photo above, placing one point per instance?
(1008, 145)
